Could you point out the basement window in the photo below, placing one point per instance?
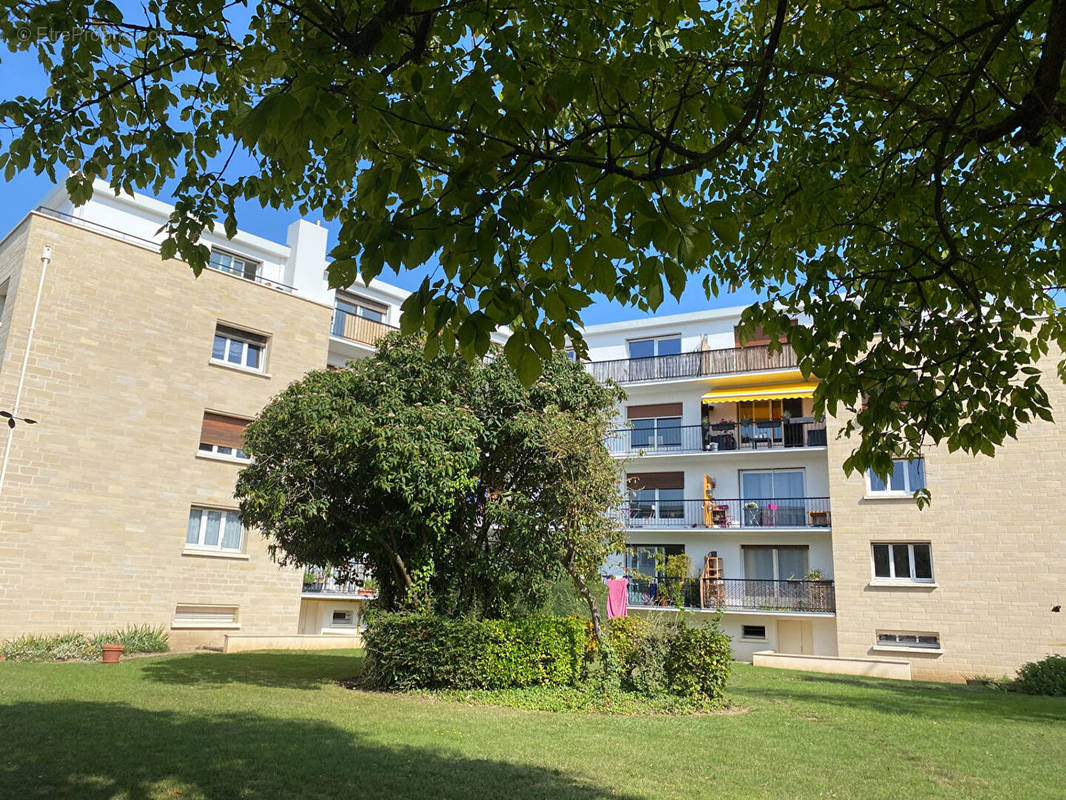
(205, 616)
(756, 632)
(908, 640)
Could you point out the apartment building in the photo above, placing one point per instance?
(726, 464)
(116, 505)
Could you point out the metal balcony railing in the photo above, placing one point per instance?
(692, 365)
(717, 437)
(359, 329)
(734, 594)
(323, 580)
(778, 512)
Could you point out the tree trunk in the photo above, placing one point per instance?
(583, 590)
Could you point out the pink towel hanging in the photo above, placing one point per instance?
(616, 597)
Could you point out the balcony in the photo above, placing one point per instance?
(359, 329)
(719, 437)
(699, 364)
(734, 594)
(742, 514)
(320, 582)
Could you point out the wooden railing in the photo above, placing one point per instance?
(365, 331)
(692, 365)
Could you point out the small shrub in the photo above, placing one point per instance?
(698, 663)
(1047, 677)
(624, 634)
(645, 672)
(421, 651)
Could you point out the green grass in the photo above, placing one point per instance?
(275, 725)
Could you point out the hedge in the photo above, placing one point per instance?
(1047, 677)
(419, 651)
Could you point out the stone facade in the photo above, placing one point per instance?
(94, 510)
(998, 554)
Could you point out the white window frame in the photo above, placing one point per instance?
(904, 646)
(185, 623)
(745, 637)
(231, 334)
(199, 546)
(667, 338)
(892, 564)
(245, 261)
(216, 451)
(907, 491)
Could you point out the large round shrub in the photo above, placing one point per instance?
(698, 663)
(1043, 677)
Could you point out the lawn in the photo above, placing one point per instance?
(274, 725)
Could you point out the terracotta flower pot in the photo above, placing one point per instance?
(112, 652)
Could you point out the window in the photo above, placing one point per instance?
(213, 529)
(773, 498)
(908, 640)
(656, 432)
(903, 562)
(342, 618)
(657, 503)
(239, 348)
(907, 477)
(352, 306)
(3, 297)
(194, 616)
(774, 563)
(223, 436)
(234, 264)
(646, 348)
(644, 559)
(753, 632)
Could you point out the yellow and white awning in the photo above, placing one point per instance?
(774, 391)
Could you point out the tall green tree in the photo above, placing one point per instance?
(891, 171)
(441, 475)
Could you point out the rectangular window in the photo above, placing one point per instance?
(907, 477)
(234, 264)
(239, 348)
(775, 563)
(214, 529)
(908, 640)
(773, 498)
(901, 561)
(222, 435)
(195, 616)
(644, 559)
(753, 632)
(342, 618)
(3, 297)
(662, 346)
(656, 432)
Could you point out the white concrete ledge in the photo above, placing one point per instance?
(870, 667)
(241, 642)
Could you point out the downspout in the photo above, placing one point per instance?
(46, 259)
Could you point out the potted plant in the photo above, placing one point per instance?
(752, 515)
(112, 652)
(818, 591)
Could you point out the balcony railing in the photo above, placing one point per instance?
(324, 581)
(360, 329)
(692, 365)
(779, 512)
(734, 594)
(761, 435)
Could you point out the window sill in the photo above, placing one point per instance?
(195, 551)
(897, 496)
(238, 368)
(886, 649)
(223, 459)
(340, 631)
(902, 584)
(224, 626)
(756, 641)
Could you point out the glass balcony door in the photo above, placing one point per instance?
(772, 498)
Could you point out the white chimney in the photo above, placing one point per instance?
(307, 260)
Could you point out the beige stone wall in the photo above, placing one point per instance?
(998, 532)
(94, 510)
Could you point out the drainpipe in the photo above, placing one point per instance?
(46, 259)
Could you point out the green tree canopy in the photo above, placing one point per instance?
(444, 476)
(892, 171)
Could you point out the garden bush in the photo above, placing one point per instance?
(1046, 677)
(421, 651)
(81, 647)
(698, 663)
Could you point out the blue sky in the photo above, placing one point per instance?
(21, 75)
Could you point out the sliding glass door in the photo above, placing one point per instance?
(772, 498)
